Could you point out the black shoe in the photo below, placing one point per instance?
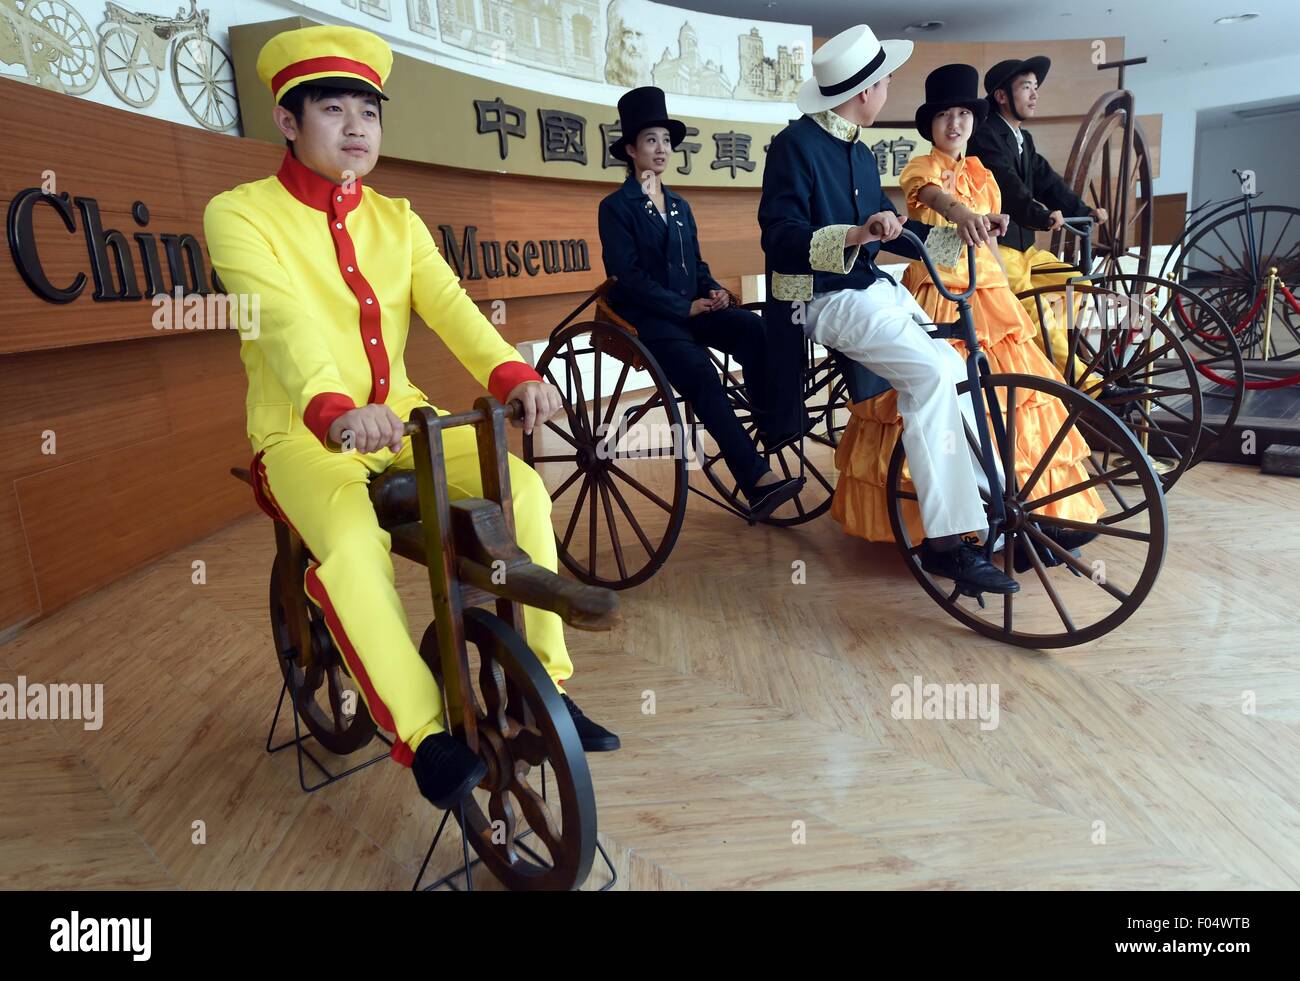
(769, 497)
(1112, 393)
(595, 738)
(966, 566)
(1070, 539)
(445, 770)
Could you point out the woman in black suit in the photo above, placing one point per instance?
(650, 244)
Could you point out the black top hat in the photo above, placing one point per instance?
(640, 109)
(946, 87)
(1005, 71)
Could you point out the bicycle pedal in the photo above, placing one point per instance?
(975, 594)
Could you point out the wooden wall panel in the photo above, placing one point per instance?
(18, 599)
(93, 403)
(92, 521)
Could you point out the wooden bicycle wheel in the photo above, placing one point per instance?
(1110, 168)
(616, 467)
(327, 701)
(127, 66)
(789, 460)
(522, 725)
(1082, 597)
(1125, 356)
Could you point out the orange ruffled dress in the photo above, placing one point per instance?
(1008, 339)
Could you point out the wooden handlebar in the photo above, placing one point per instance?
(513, 410)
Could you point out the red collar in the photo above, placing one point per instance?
(314, 190)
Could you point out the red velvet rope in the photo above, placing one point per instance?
(1241, 324)
(1210, 373)
(1289, 298)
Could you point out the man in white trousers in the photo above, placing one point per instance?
(821, 193)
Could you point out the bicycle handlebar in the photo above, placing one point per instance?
(875, 228)
(1081, 228)
(513, 410)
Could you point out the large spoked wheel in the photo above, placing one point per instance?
(616, 465)
(326, 700)
(128, 67)
(1126, 357)
(1110, 168)
(205, 81)
(65, 42)
(1081, 597)
(522, 724)
(1215, 263)
(1213, 348)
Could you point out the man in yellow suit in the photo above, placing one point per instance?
(338, 268)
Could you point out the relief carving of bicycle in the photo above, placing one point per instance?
(51, 41)
(134, 46)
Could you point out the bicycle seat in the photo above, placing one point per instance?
(396, 498)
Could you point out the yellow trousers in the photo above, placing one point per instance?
(1025, 272)
(325, 498)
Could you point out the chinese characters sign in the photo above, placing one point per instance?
(561, 137)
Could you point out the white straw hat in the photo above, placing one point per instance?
(848, 63)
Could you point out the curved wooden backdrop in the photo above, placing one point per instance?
(146, 423)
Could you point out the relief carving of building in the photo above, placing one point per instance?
(558, 35)
(762, 77)
(688, 74)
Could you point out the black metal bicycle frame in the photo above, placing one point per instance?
(1217, 209)
(977, 367)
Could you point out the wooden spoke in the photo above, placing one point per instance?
(631, 519)
(1048, 454)
(613, 528)
(577, 511)
(645, 491)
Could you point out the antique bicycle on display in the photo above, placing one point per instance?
(134, 47)
(602, 487)
(1243, 259)
(1127, 347)
(498, 699)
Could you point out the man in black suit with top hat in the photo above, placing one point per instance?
(1033, 194)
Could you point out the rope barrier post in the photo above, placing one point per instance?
(1270, 285)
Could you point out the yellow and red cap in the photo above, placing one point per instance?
(343, 57)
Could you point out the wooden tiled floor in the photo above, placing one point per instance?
(772, 759)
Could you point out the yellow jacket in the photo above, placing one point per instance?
(336, 273)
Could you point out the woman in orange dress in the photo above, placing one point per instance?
(945, 187)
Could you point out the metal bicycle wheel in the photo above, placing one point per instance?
(1064, 599)
(1214, 262)
(1213, 348)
